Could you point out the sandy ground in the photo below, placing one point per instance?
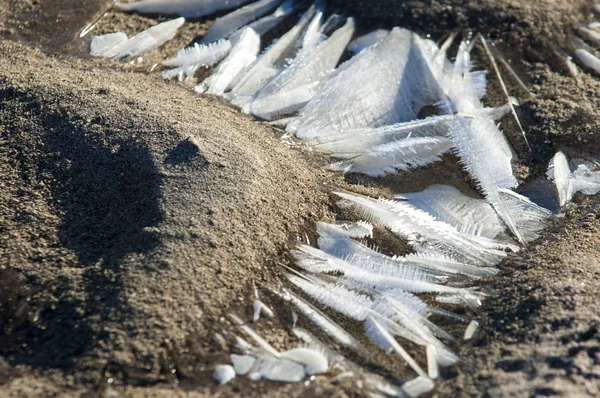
(135, 215)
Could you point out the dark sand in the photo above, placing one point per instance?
(134, 215)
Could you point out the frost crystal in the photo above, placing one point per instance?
(304, 77)
(579, 176)
(242, 54)
(140, 44)
(189, 59)
(223, 27)
(184, 8)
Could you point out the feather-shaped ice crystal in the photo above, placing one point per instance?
(386, 83)
(144, 42)
(423, 231)
(269, 63)
(362, 140)
(101, 44)
(569, 179)
(184, 8)
(448, 204)
(207, 55)
(309, 70)
(223, 27)
(487, 164)
(242, 54)
(362, 42)
(189, 59)
(336, 243)
(397, 155)
(265, 24)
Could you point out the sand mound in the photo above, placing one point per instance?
(133, 215)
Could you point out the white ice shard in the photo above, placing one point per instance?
(362, 276)
(588, 59)
(314, 361)
(184, 8)
(334, 242)
(313, 34)
(189, 59)
(223, 27)
(481, 147)
(530, 217)
(363, 139)
(448, 204)
(362, 42)
(585, 178)
(244, 52)
(425, 233)
(260, 308)
(470, 330)
(379, 334)
(345, 229)
(283, 103)
(325, 323)
(304, 78)
(265, 24)
(242, 363)
(283, 370)
(579, 176)
(463, 89)
(433, 370)
(207, 55)
(448, 265)
(146, 41)
(384, 84)
(397, 155)
(418, 386)
(486, 162)
(397, 313)
(101, 44)
(560, 172)
(270, 63)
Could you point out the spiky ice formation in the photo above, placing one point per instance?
(386, 83)
(243, 54)
(144, 42)
(396, 312)
(397, 155)
(579, 176)
(304, 78)
(449, 205)
(101, 44)
(335, 241)
(223, 27)
(265, 24)
(426, 233)
(487, 164)
(189, 59)
(184, 8)
(269, 63)
(362, 42)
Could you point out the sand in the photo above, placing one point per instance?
(132, 221)
(135, 216)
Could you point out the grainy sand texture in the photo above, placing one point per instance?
(135, 215)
